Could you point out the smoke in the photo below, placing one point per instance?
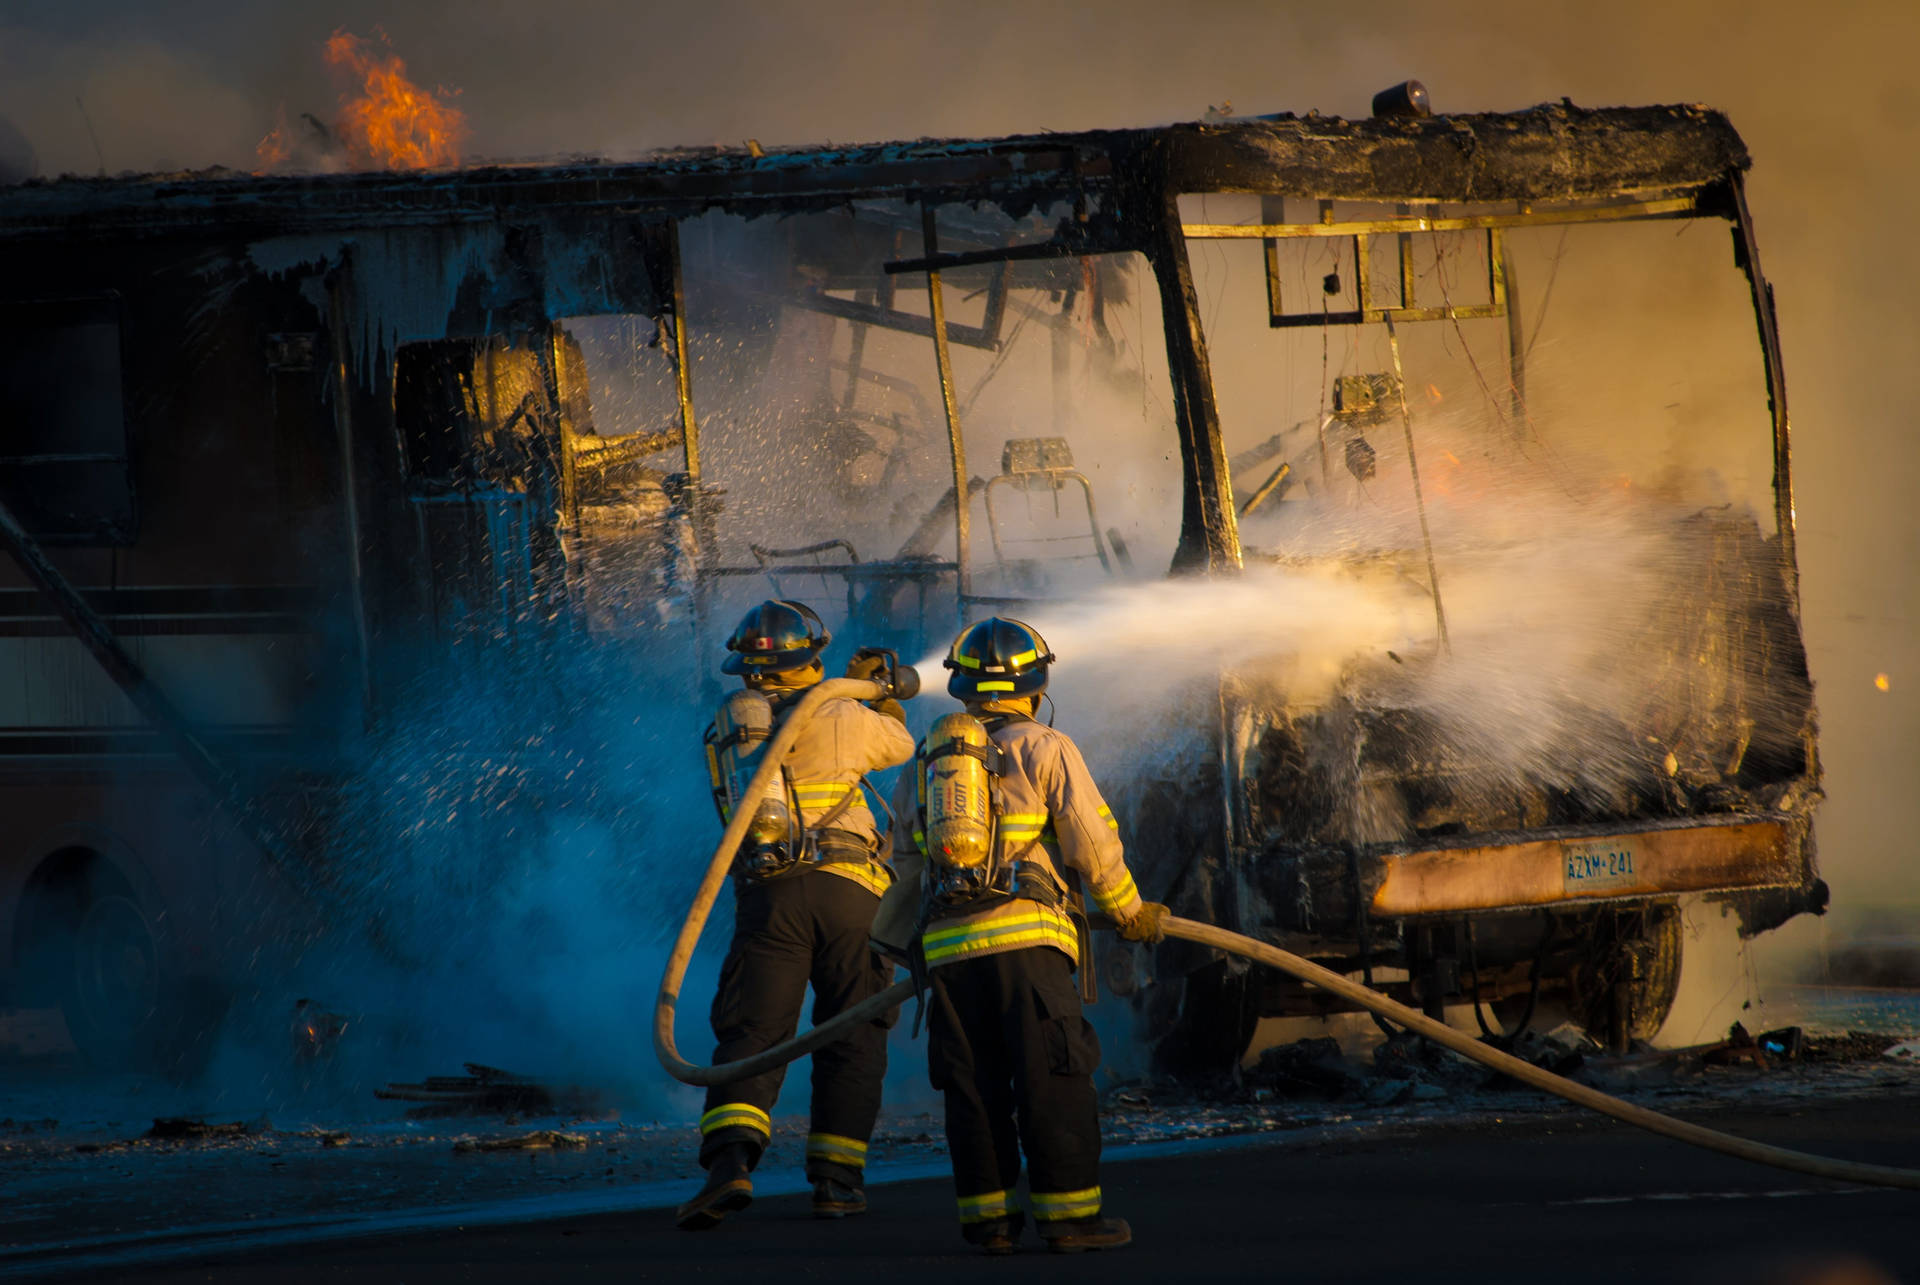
(1556, 585)
(497, 900)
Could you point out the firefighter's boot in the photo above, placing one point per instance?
(835, 1199)
(997, 1236)
(729, 1188)
(1077, 1235)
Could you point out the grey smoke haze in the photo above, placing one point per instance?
(1822, 95)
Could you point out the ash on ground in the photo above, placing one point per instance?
(1312, 1082)
(95, 1159)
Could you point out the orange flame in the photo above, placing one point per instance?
(393, 123)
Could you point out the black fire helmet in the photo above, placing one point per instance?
(775, 637)
(998, 658)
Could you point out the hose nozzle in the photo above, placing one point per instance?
(897, 681)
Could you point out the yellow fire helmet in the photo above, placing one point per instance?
(996, 658)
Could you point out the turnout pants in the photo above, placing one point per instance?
(807, 927)
(1010, 1048)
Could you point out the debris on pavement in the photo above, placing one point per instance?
(1279, 1090)
(486, 1090)
(195, 1129)
(1314, 1066)
(538, 1140)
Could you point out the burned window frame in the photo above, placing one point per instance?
(98, 508)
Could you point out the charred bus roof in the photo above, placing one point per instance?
(1556, 153)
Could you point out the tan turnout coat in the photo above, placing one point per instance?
(844, 740)
(1052, 818)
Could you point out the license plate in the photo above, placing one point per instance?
(1595, 868)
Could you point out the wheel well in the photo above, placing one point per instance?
(52, 903)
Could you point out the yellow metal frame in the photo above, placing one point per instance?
(1402, 227)
(1678, 207)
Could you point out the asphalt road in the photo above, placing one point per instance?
(1570, 1200)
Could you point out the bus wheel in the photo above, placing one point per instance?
(112, 1000)
(1625, 983)
(87, 942)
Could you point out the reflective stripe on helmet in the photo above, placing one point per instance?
(992, 686)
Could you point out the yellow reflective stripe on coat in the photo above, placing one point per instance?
(1106, 814)
(1021, 827)
(871, 875)
(1058, 1206)
(1020, 924)
(736, 1115)
(821, 794)
(985, 1207)
(1120, 894)
(839, 1150)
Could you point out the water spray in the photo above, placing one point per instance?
(1419, 499)
(1201, 934)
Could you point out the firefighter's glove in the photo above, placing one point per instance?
(1148, 925)
(872, 667)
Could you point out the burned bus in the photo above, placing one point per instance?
(1414, 485)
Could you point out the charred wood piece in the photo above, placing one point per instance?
(486, 1090)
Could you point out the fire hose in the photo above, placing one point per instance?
(1202, 934)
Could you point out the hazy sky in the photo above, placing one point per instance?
(1822, 93)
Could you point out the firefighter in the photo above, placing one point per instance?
(998, 822)
(804, 905)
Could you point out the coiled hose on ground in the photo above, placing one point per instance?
(1206, 935)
